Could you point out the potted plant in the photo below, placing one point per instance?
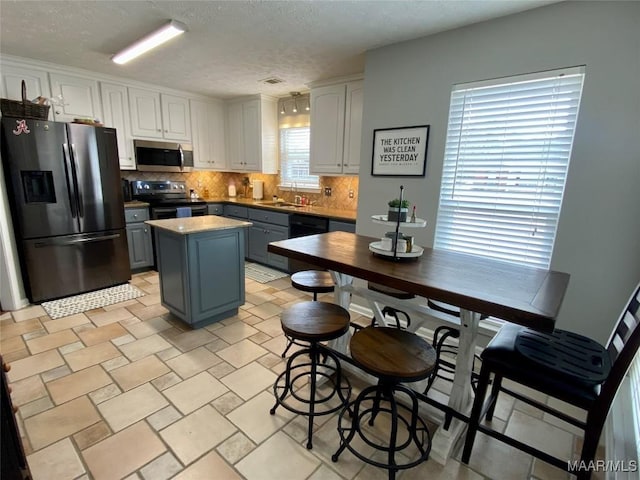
(398, 210)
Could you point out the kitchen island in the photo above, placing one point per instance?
(201, 267)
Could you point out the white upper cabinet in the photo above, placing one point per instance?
(115, 104)
(155, 115)
(176, 121)
(336, 128)
(327, 129)
(235, 137)
(80, 95)
(36, 82)
(353, 127)
(207, 130)
(146, 116)
(252, 134)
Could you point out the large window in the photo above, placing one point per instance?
(293, 122)
(505, 165)
(294, 159)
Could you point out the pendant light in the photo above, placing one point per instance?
(295, 96)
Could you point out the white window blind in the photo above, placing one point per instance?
(294, 159)
(635, 400)
(505, 164)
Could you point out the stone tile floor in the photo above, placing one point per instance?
(128, 391)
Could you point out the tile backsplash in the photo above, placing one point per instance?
(215, 185)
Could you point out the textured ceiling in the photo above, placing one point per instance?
(232, 45)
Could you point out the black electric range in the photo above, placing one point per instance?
(167, 199)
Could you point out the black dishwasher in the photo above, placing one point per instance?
(301, 226)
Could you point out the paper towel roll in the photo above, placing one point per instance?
(258, 186)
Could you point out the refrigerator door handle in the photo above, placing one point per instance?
(76, 241)
(75, 177)
(70, 180)
(181, 158)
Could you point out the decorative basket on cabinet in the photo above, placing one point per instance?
(24, 108)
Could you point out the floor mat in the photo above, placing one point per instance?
(89, 301)
(262, 274)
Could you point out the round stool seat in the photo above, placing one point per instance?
(315, 281)
(295, 388)
(392, 292)
(393, 354)
(315, 321)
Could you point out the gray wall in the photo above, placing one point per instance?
(598, 239)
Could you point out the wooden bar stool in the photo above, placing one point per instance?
(391, 311)
(392, 292)
(314, 281)
(392, 356)
(313, 322)
(445, 369)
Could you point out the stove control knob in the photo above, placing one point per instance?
(146, 186)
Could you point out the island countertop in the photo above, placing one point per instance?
(188, 225)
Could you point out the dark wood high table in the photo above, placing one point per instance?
(478, 286)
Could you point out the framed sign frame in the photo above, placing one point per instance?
(400, 152)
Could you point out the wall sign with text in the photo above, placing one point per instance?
(400, 151)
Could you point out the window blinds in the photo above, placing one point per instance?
(294, 158)
(634, 374)
(506, 157)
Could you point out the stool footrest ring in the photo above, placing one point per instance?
(289, 389)
(362, 422)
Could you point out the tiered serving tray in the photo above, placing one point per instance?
(416, 251)
(376, 247)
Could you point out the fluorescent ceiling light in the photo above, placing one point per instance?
(163, 34)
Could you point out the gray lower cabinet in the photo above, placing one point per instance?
(268, 226)
(138, 238)
(215, 209)
(239, 213)
(260, 235)
(201, 274)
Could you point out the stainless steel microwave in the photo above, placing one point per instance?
(152, 156)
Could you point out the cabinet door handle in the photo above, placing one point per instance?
(145, 230)
(135, 215)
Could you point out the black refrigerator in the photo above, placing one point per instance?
(63, 184)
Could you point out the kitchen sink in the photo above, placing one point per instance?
(280, 204)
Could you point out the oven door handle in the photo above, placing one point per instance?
(181, 157)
